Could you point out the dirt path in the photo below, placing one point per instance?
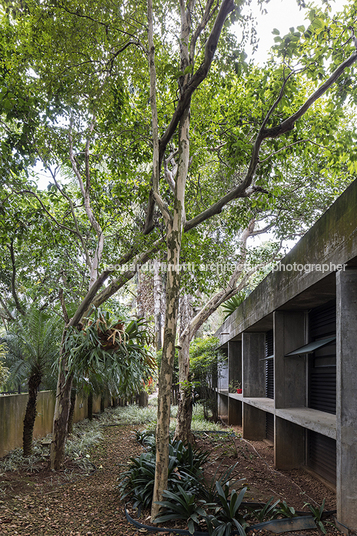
(88, 506)
(43, 503)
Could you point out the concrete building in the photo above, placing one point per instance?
(293, 345)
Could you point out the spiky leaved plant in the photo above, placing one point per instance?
(32, 349)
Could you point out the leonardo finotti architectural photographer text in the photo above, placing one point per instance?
(220, 268)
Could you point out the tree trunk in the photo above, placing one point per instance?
(184, 413)
(174, 235)
(71, 411)
(61, 413)
(165, 377)
(30, 415)
(157, 304)
(90, 405)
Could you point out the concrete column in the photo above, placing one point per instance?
(289, 444)
(289, 372)
(223, 406)
(234, 412)
(253, 351)
(254, 423)
(346, 403)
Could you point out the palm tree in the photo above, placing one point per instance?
(33, 348)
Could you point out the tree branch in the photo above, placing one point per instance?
(202, 72)
(120, 281)
(87, 301)
(288, 147)
(63, 193)
(63, 305)
(244, 189)
(239, 191)
(10, 316)
(201, 26)
(13, 280)
(289, 123)
(61, 225)
(188, 90)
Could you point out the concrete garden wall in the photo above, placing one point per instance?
(12, 412)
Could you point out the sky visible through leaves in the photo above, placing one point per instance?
(281, 14)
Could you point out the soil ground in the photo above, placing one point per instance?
(67, 503)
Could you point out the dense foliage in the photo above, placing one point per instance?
(206, 364)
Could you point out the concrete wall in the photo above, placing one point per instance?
(333, 239)
(12, 412)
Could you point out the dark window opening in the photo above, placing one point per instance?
(322, 364)
(321, 455)
(269, 427)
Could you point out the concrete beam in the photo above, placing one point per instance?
(346, 403)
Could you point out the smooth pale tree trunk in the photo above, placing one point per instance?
(157, 304)
(174, 235)
(184, 414)
(165, 377)
(30, 414)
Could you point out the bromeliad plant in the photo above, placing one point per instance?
(267, 512)
(111, 351)
(317, 513)
(227, 517)
(181, 505)
(184, 472)
(285, 510)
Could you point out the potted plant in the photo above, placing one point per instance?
(235, 387)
